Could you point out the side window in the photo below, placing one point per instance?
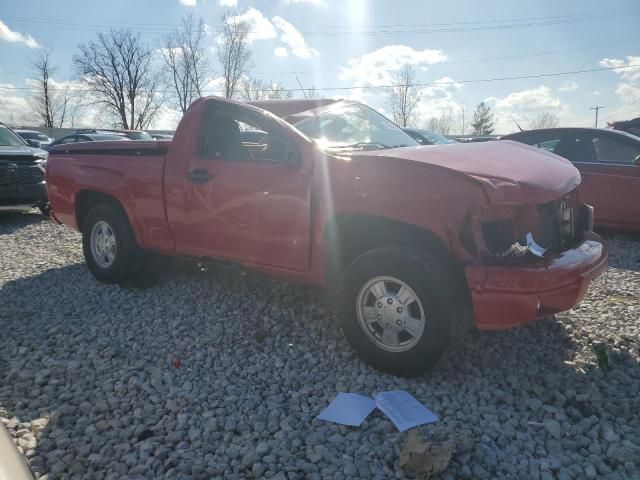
(575, 148)
(549, 145)
(70, 139)
(545, 140)
(613, 150)
(235, 133)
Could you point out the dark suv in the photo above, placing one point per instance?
(22, 168)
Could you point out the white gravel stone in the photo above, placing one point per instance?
(212, 374)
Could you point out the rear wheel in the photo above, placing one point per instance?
(400, 309)
(110, 249)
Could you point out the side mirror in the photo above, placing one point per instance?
(34, 143)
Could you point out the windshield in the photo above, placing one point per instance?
(9, 139)
(34, 136)
(354, 126)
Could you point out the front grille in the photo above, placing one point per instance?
(560, 223)
(17, 174)
(19, 158)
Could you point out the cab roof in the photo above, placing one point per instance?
(288, 108)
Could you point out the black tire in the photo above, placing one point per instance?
(446, 311)
(129, 258)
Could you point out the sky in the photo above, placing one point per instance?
(464, 51)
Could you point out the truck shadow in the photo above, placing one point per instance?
(161, 381)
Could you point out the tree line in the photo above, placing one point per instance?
(120, 73)
(405, 97)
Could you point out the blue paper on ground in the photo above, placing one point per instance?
(348, 409)
(404, 410)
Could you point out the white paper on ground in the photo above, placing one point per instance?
(404, 410)
(348, 409)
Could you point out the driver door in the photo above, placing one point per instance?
(242, 197)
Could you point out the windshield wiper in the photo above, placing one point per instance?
(363, 145)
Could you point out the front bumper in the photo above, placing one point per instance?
(506, 296)
(23, 195)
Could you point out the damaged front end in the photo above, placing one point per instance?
(518, 234)
(530, 261)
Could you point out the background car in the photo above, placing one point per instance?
(427, 137)
(22, 169)
(130, 134)
(87, 137)
(609, 162)
(35, 135)
(161, 136)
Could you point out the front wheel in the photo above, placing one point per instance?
(399, 309)
(110, 249)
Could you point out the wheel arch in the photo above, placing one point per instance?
(347, 236)
(86, 199)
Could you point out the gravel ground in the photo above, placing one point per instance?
(211, 374)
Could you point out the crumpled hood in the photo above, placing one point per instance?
(510, 172)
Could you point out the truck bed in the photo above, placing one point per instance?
(132, 172)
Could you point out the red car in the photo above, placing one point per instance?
(416, 242)
(609, 162)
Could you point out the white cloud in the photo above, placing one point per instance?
(189, 3)
(261, 27)
(524, 106)
(16, 37)
(631, 74)
(629, 89)
(15, 108)
(166, 119)
(228, 3)
(378, 67)
(568, 86)
(280, 52)
(439, 100)
(293, 39)
(319, 3)
(628, 93)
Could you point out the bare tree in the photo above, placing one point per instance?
(545, 120)
(233, 52)
(188, 69)
(442, 124)
(49, 104)
(483, 120)
(256, 89)
(311, 92)
(118, 70)
(404, 97)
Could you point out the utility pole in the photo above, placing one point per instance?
(463, 105)
(596, 108)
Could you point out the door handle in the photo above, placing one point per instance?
(199, 175)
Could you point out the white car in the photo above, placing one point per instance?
(35, 135)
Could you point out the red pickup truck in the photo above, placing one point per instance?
(418, 243)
